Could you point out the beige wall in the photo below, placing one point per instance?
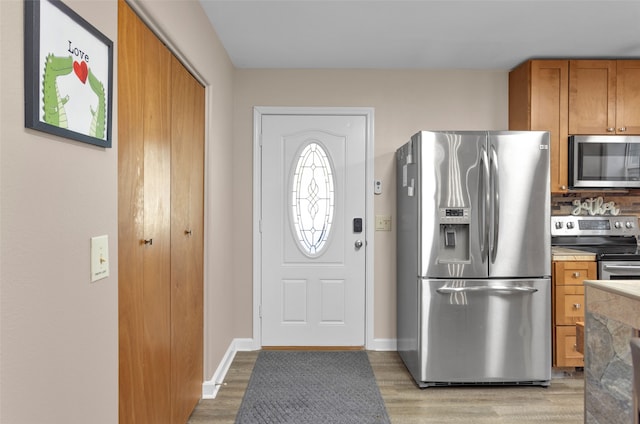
(58, 338)
(59, 332)
(404, 102)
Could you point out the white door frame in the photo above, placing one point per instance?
(258, 112)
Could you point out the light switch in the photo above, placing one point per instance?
(383, 223)
(99, 257)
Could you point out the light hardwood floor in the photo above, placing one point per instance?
(561, 403)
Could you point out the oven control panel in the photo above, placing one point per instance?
(570, 225)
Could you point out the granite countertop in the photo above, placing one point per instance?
(566, 254)
(626, 288)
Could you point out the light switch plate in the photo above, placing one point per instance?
(383, 222)
(99, 257)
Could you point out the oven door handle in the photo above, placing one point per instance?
(621, 267)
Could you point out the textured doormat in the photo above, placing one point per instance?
(312, 388)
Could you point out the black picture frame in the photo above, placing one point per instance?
(68, 67)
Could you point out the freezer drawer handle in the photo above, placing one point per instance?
(448, 290)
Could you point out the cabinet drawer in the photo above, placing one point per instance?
(567, 354)
(574, 272)
(569, 304)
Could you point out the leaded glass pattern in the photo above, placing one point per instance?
(312, 198)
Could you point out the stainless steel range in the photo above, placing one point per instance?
(614, 240)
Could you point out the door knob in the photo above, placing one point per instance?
(358, 244)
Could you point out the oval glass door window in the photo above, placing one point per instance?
(313, 197)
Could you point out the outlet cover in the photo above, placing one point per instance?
(99, 257)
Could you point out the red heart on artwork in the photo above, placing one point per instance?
(81, 70)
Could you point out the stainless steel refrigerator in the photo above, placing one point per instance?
(474, 257)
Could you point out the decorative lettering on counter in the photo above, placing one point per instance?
(594, 206)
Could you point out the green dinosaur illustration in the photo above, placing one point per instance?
(98, 121)
(54, 67)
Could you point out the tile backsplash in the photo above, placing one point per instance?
(628, 203)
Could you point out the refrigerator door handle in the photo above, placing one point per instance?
(514, 289)
(483, 202)
(495, 210)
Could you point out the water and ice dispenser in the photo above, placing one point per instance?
(454, 235)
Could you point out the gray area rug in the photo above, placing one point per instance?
(299, 387)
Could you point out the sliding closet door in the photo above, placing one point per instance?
(160, 218)
(144, 143)
(156, 307)
(187, 230)
(130, 205)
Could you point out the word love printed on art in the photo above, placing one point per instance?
(594, 206)
(80, 68)
(74, 51)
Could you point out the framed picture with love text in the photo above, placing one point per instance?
(68, 74)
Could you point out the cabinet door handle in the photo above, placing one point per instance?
(148, 241)
(622, 129)
(611, 129)
(577, 306)
(576, 275)
(187, 232)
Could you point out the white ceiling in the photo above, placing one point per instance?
(422, 34)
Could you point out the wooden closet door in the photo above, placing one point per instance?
(145, 223)
(156, 305)
(130, 213)
(187, 230)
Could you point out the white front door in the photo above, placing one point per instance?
(313, 230)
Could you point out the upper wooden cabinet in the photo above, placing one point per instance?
(574, 97)
(538, 101)
(604, 97)
(628, 96)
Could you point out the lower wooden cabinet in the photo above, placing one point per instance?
(569, 305)
(568, 309)
(567, 354)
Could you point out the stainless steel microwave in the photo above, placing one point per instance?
(604, 161)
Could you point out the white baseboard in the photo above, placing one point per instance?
(210, 387)
(245, 345)
(384, 344)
